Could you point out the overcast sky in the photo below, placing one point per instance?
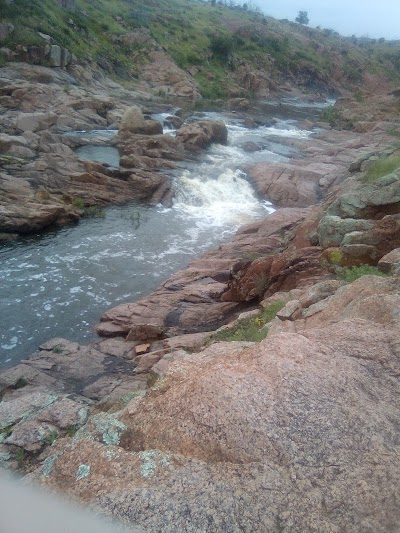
(375, 18)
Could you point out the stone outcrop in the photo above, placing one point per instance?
(369, 298)
(370, 114)
(42, 175)
(163, 75)
(48, 55)
(240, 421)
(51, 395)
(362, 225)
(306, 181)
(286, 185)
(47, 186)
(255, 81)
(193, 300)
(390, 263)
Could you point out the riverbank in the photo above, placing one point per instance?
(152, 422)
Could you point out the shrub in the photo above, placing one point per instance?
(350, 274)
(72, 429)
(330, 115)
(57, 349)
(335, 257)
(20, 456)
(78, 202)
(250, 329)
(335, 119)
(222, 46)
(5, 432)
(93, 212)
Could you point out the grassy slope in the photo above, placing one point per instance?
(216, 38)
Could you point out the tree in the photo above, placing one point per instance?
(222, 46)
(302, 18)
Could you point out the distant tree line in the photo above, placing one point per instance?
(245, 6)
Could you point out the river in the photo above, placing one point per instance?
(58, 283)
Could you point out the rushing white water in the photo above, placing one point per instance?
(59, 283)
(216, 191)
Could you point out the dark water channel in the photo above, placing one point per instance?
(59, 283)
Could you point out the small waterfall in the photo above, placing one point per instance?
(223, 200)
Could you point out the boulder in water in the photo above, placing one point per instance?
(199, 135)
(133, 121)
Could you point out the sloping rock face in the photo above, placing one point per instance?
(38, 193)
(50, 395)
(191, 300)
(371, 113)
(161, 73)
(254, 80)
(297, 433)
(326, 161)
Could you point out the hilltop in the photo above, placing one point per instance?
(190, 48)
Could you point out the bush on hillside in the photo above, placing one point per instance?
(350, 274)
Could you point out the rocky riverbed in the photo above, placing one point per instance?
(159, 425)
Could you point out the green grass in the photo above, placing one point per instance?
(350, 274)
(50, 438)
(6, 432)
(250, 329)
(381, 168)
(215, 38)
(20, 456)
(88, 212)
(72, 429)
(330, 115)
